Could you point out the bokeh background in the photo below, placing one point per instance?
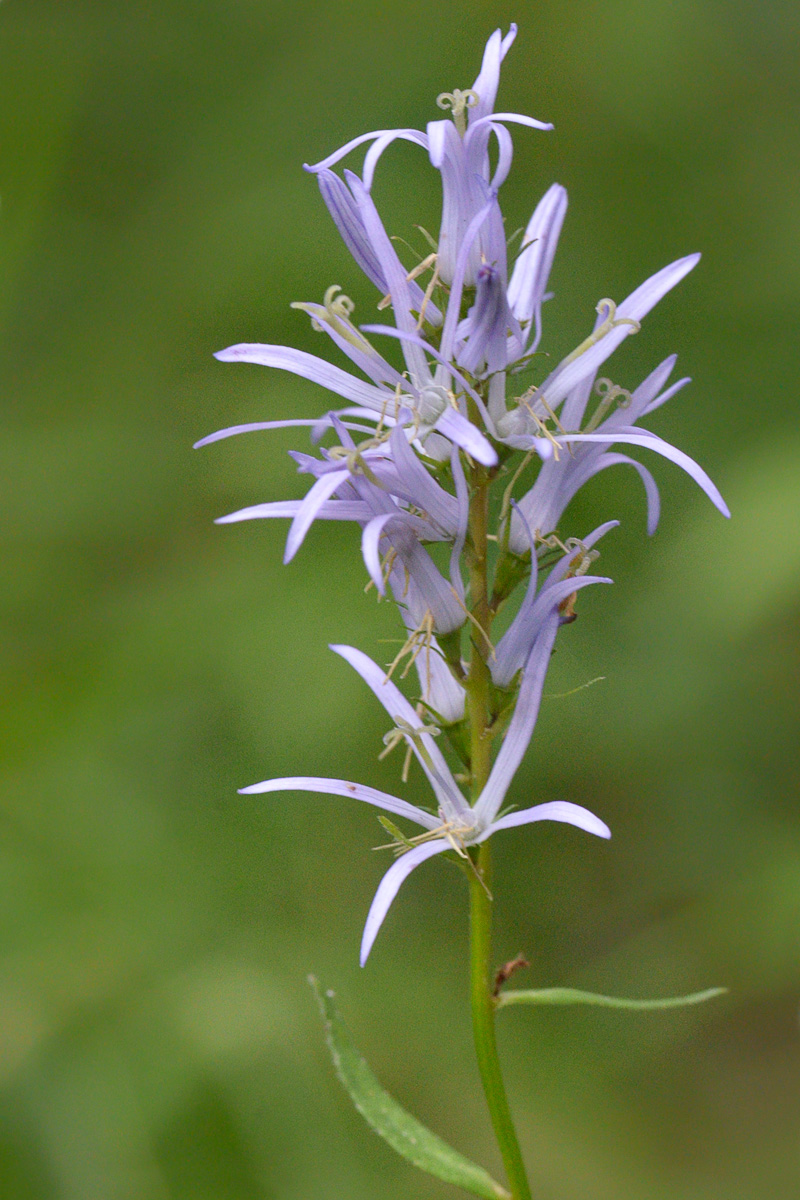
(158, 1040)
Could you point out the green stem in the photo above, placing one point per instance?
(483, 1026)
(481, 973)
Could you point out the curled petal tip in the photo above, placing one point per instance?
(544, 448)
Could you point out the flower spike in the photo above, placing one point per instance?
(435, 415)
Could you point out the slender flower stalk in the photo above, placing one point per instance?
(458, 474)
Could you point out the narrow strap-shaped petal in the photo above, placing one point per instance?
(396, 705)
(343, 787)
(251, 427)
(396, 280)
(364, 414)
(667, 395)
(461, 431)
(254, 426)
(541, 507)
(555, 810)
(528, 282)
(358, 349)
(505, 154)
(514, 647)
(575, 405)
(335, 510)
(410, 135)
(643, 399)
(464, 167)
(508, 40)
(443, 142)
(422, 488)
(611, 459)
(383, 500)
(370, 542)
(390, 885)
(314, 500)
(308, 366)
(380, 144)
(462, 260)
(647, 391)
(347, 219)
(651, 442)
(439, 597)
(485, 86)
(442, 693)
(522, 724)
(462, 498)
(514, 118)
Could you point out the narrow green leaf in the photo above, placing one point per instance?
(573, 996)
(403, 1132)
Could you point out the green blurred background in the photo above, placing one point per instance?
(158, 1040)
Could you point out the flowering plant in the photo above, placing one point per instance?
(457, 450)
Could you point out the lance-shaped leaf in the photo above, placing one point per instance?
(390, 1120)
(574, 996)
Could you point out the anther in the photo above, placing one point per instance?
(547, 446)
(412, 735)
(418, 640)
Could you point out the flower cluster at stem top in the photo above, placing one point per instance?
(420, 453)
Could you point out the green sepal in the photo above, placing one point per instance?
(502, 702)
(512, 570)
(390, 1120)
(395, 834)
(450, 646)
(458, 735)
(574, 996)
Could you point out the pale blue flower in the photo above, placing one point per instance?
(567, 577)
(585, 454)
(458, 149)
(456, 824)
